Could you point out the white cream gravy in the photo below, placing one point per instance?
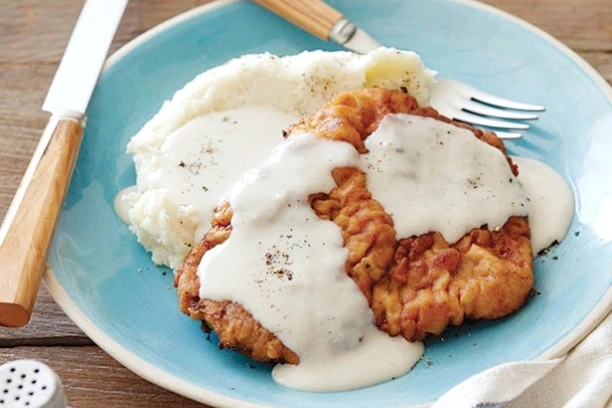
(124, 202)
(286, 266)
(551, 202)
(204, 158)
(433, 176)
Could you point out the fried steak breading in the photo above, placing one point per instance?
(414, 285)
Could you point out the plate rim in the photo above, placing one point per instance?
(181, 387)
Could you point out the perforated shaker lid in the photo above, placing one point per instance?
(30, 384)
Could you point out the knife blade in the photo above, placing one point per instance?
(27, 229)
(323, 21)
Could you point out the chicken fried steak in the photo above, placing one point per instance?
(414, 285)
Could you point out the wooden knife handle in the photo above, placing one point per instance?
(29, 231)
(314, 16)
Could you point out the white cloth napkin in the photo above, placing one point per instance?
(580, 379)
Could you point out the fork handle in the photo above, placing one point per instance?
(28, 227)
(314, 16)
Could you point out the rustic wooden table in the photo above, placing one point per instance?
(33, 35)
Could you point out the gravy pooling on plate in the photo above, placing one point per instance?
(274, 252)
(187, 162)
(551, 202)
(285, 265)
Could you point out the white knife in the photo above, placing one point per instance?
(27, 230)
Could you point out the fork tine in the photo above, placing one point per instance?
(503, 103)
(482, 121)
(508, 135)
(480, 109)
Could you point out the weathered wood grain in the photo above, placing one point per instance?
(583, 25)
(33, 35)
(38, 30)
(601, 61)
(92, 380)
(49, 327)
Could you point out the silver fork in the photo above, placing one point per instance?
(464, 103)
(452, 98)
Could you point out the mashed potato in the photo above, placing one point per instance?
(168, 226)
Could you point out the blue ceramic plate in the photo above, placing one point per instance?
(107, 283)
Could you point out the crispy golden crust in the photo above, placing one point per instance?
(432, 284)
(416, 285)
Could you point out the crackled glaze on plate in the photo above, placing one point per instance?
(106, 282)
